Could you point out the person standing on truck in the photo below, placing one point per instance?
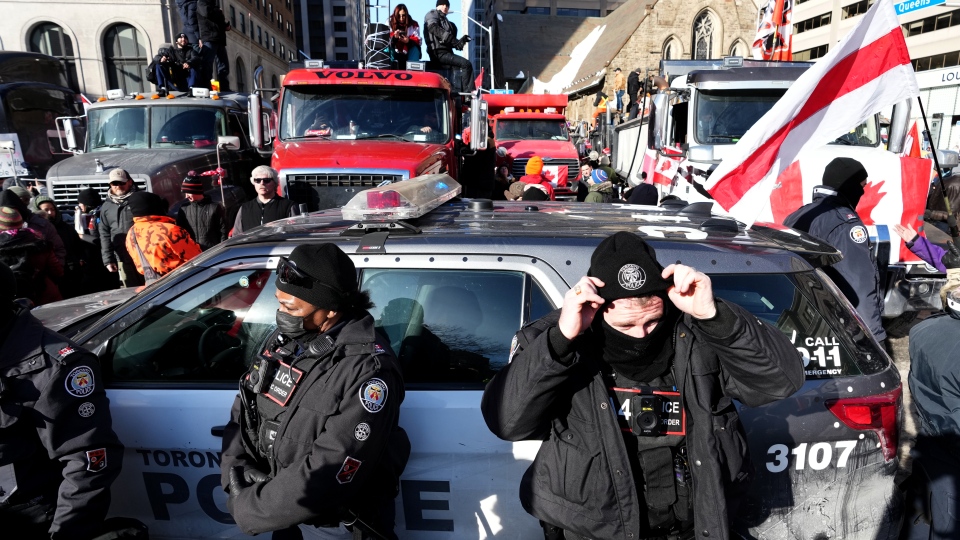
(832, 218)
(404, 37)
(267, 206)
(627, 329)
(213, 39)
(314, 436)
(619, 88)
(115, 220)
(188, 16)
(200, 216)
(442, 39)
(633, 92)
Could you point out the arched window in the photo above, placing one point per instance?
(48, 38)
(739, 49)
(125, 55)
(703, 36)
(241, 76)
(672, 50)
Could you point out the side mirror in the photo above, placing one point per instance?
(478, 125)
(66, 133)
(899, 125)
(501, 151)
(230, 143)
(662, 121)
(255, 122)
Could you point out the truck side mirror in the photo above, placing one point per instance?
(65, 132)
(478, 125)
(255, 120)
(899, 125)
(663, 120)
(230, 143)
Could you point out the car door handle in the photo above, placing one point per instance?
(217, 431)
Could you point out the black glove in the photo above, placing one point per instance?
(951, 259)
(253, 476)
(237, 483)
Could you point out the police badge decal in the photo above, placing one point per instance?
(631, 277)
(373, 395)
(79, 382)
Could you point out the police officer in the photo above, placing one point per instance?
(313, 436)
(58, 452)
(618, 461)
(832, 217)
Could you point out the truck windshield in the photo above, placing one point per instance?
(723, 116)
(387, 113)
(541, 130)
(167, 127)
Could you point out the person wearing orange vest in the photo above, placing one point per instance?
(156, 243)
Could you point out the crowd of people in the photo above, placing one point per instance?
(199, 55)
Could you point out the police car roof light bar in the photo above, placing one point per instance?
(407, 199)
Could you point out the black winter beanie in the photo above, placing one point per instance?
(334, 275)
(144, 203)
(845, 175)
(627, 266)
(11, 199)
(90, 198)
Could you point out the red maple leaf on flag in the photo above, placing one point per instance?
(548, 174)
(871, 197)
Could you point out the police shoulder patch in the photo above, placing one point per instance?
(79, 382)
(362, 431)
(97, 460)
(348, 470)
(858, 234)
(373, 395)
(87, 409)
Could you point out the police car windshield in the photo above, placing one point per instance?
(376, 113)
(167, 127)
(540, 130)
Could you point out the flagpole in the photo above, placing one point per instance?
(951, 219)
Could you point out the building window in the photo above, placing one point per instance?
(233, 17)
(273, 45)
(703, 37)
(340, 42)
(259, 35)
(49, 39)
(339, 11)
(937, 61)
(671, 50)
(241, 75)
(810, 54)
(739, 49)
(283, 50)
(858, 8)
(280, 21)
(570, 12)
(243, 24)
(270, 14)
(125, 56)
(339, 27)
(251, 27)
(930, 24)
(812, 22)
(342, 57)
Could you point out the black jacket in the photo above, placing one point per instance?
(563, 400)
(115, 221)
(55, 427)
(633, 85)
(253, 213)
(935, 375)
(321, 435)
(211, 22)
(441, 34)
(205, 222)
(831, 219)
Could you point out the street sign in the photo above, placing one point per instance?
(504, 91)
(913, 5)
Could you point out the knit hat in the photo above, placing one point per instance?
(627, 266)
(89, 198)
(119, 175)
(192, 184)
(10, 219)
(535, 165)
(443, 3)
(40, 199)
(515, 191)
(594, 155)
(599, 176)
(144, 203)
(333, 273)
(844, 175)
(20, 192)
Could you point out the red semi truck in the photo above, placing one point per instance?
(527, 125)
(335, 132)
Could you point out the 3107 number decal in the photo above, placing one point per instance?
(817, 456)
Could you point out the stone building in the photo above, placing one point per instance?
(105, 45)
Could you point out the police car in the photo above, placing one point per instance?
(452, 281)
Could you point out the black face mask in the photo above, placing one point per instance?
(639, 359)
(290, 325)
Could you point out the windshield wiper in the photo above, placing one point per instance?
(118, 145)
(306, 137)
(383, 136)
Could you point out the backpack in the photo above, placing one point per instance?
(152, 71)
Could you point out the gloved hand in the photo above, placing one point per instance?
(253, 476)
(241, 479)
(951, 259)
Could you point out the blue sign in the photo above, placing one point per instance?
(913, 5)
(503, 91)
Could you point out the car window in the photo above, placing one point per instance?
(782, 301)
(450, 326)
(208, 333)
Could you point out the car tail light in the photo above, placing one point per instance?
(383, 199)
(879, 413)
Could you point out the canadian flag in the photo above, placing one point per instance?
(911, 145)
(774, 40)
(896, 191)
(667, 167)
(649, 164)
(866, 72)
(556, 174)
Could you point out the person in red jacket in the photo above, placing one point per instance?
(156, 243)
(535, 176)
